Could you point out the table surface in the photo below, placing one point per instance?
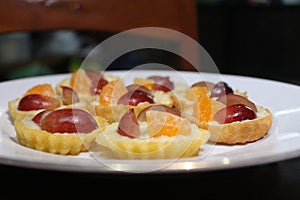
(279, 180)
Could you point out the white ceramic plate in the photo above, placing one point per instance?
(282, 142)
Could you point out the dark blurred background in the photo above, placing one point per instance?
(257, 38)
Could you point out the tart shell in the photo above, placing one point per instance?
(163, 147)
(241, 132)
(30, 135)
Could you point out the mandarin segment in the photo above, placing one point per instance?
(208, 85)
(203, 109)
(194, 93)
(80, 82)
(112, 92)
(166, 124)
(42, 89)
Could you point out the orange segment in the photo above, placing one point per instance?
(111, 92)
(42, 89)
(148, 83)
(164, 123)
(194, 93)
(203, 109)
(80, 82)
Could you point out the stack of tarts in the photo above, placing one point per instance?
(151, 118)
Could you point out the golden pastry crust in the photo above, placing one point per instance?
(242, 132)
(163, 147)
(30, 135)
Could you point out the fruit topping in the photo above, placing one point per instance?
(142, 114)
(37, 102)
(42, 89)
(202, 109)
(97, 86)
(160, 122)
(37, 117)
(234, 113)
(208, 85)
(80, 82)
(97, 81)
(162, 83)
(69, 96)
(112, 92)
(68, 120)
(194, 93)
(93, 75)
(166, 124)
(133, 87)
(148, 83)
(128, 125)
(220, 89)
(87, 81)
(135, 97)
(230, 99)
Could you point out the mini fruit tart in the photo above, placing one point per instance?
(116, 99)
(36, 99)
(87, 84)
(157, 132)
(231, 117)
(239, 124)
(66, 131)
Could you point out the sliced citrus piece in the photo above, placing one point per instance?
(42, 89)
(203, 109)
(111, 92)
(194, 93)
(80, 82)
(163, 123)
